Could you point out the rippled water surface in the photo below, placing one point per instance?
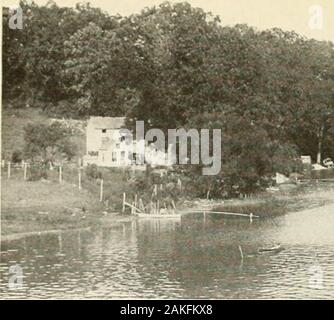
(173, 259)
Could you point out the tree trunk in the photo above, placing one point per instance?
(320, 139)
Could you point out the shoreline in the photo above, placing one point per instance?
(65, 223)
(18, 236)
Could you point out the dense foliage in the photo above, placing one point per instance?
(271, 92)
(48, 142)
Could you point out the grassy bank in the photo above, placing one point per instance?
(29, 206)
(44, 205)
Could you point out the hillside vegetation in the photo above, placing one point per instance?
(173, 65)
(13, 124)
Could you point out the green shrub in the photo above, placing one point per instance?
(92, 171)
(37, 172)
(17, 156)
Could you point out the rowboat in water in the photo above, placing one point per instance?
(273, 249)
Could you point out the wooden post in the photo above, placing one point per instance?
(141, 204)
(158, 207)
(136, 198)
(8, 164)
(60, 242)
(179, 183)
(25, 171)
(79, 178)
(101, 191)
(60, 174)
(124, 197)
(173, 203)
(241, 254)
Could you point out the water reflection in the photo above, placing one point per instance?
(170, 259)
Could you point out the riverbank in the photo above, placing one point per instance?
(269, 205)
(40, 206)
(43, 205)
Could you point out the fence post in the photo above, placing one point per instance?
(136, 199)
(141, 204)
(124, 197)
(174, 206)
(25, 171)
(79, 178)
(60, 174)
(101, 191)
(8, 165)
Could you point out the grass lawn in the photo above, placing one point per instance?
(42, 205)
(46, 204)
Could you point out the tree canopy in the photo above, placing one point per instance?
(174, 65)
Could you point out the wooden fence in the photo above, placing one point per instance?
(55, 172)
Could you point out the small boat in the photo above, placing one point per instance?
(274, 249)
(158, 215)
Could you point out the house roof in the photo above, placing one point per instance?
(106, 122)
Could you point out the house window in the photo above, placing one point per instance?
(122, 155)
(114, 156)
(117, 145)
(134, 158)
(104, 130)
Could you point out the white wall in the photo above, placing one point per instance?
(121, 150)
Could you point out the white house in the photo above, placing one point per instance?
(108, 146)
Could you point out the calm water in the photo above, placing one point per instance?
(187, 259)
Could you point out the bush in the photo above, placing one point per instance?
(17, 156)
(93, 172)
(48, 142)
(38, 173)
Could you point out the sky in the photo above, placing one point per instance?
(310, 18)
